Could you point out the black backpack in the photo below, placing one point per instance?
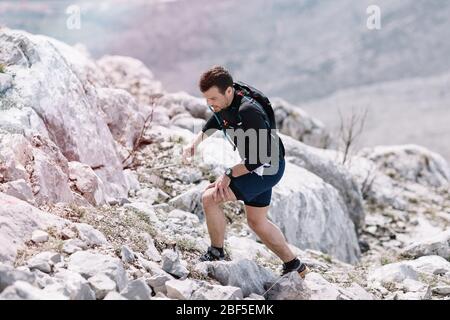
(262, 101)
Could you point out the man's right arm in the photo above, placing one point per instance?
(210, 126)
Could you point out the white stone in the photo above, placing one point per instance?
(393, 273)
(102, 285)
(216, 292)
(75, 286)
(39, 236)
(9, 275)
(87, 182)
(245, 274)
(431, 264)
(180, 289)
(89, 264)
(158, 282)
(114, 296)
(436, 245)
(19, 220)
(137, 290)
(21, 290)
(171, 263)
(90, 235)
(127, 254)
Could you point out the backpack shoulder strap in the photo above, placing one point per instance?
(248, 95)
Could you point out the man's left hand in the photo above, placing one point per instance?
(221, 190)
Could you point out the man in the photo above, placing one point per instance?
(250, 181)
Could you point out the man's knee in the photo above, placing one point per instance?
(255, 223)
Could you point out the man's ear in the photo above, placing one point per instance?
(229, 91)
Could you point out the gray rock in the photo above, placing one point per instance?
(68, 233)
(137, 290)
(359, 293)
(180, 289)
(19, 189)
(90, 235)
(216, 292)
(245, 274)
(61, 71)
(295, 122)
(393, 273)
(132, 180)
(5, 82)
(410, 163)
(127, 254)
(87, 182)
(195, 106)
(102, 285)
(202, 268)
(20, 219)
(436, 245)
(191, 201)
(39, 236)
(43, 279)
(89, 264)
(291, 287)
(151, 252)
(73, 245)
(171, 263)
(442, 290)
(158, 282)
(44, 261)
(9, 275)
(323, 164)
(75, 286)
(21, 290)
(114, 296)
(131, 75)
(189, 175)
(194, 125)
(414, 290)
(123, 115)
(301, 206)
(431, 264)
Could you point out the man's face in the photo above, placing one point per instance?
(217, 100)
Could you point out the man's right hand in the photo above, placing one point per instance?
(188, 152)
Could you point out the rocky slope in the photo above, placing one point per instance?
(95, 203)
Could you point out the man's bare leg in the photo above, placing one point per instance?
(268, 232)
(215, 218)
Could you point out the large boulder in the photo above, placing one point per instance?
(87, 183)
(123, 115)
(195, 106)
(38, 162)
(245, 274)
(131, 75)
(324, 164)
(312, 214)
(9, 275)
(295, 122)
(89, 264)
(18, 220)
(410, 163)
(54, 95)
(436, 245)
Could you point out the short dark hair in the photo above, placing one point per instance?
(216, 76)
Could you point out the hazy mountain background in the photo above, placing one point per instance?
(318, 55)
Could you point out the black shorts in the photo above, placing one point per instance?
(256, 190)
